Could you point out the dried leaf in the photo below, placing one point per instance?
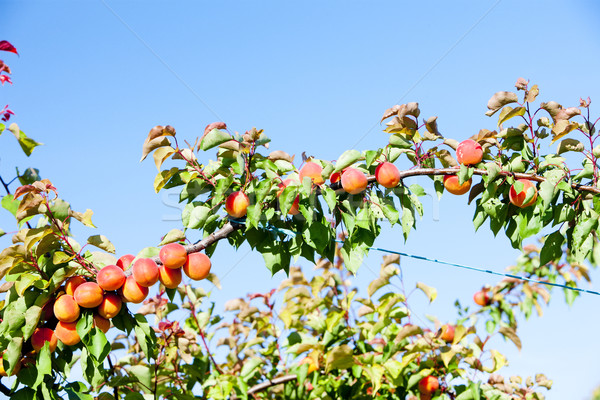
(561, 128)
(499, 100)
(280, 155)
(570, 145)
(154, 144)
(532, 94)
(510, 334)
(446, 158)
(214, 125)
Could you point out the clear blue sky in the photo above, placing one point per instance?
(94, 76)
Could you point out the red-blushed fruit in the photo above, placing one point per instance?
(236, 204)
(429, 385)
(124, 262)
(145, 272)
(110, 306)
(66, 332)
(284, 184)
(354, 181)
(89, 295)
(132, 291)
(295, 208)
(523, 193)
(482, 298)
(447, 333)
(335, 177)
(66, 308)
(197, 266)
(169, 277)
(451, 184)
(111, 277)
(41, 336)
(101, 323)
(48, 310)
(387, 175)
(173, 255)
(313, 171)
(72, 284)
(469, 152)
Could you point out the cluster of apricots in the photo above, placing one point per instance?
(114, 285)
(523, 192)
(353, 181)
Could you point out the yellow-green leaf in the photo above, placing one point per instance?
(163, 177)
(101, 242)
(508, 112)
(429, 291)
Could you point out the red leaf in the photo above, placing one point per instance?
(5, 78)
(214, 125)
(6, 46)
(4, 67)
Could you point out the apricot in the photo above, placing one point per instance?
(451, 184)
(48, 311)
(66, 308)
(523, 193)
(286, 183)
(133, 292)
(335, 177)
(387, 175)
(169, 277)
(469, 152)
(145, 272)
(237, 204)
(197, 266)
(66, 332)
(41, 336)
(447, 333)
(428, 385)
(354, 181)
(482, 298)
(313, 171)
(124, 262)
(72, 284)
(111, 277)
(110, 306)
(173, 255)
(101, 323)
(89, 295)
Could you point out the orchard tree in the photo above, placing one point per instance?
(69, 308)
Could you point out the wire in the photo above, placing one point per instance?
(288, 232)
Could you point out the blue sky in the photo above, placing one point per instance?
(93, 78)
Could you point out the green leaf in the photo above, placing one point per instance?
(508, 112)
(145, 335)
(9, 203)
(552, 249)
(493, 170)
(464, 174)
(347, 158)
(429, 291)
(214, 138)
(174, 235)
(340, 358)
(27, 144)
(570, 145)
(101, 242)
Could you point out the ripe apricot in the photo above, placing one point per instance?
(72, 284)
(66, 332)
(110, 306)
(124, 262)
(66, 308)
(447, 333)
(197, 266)
(173, 255)
(482, 298)
(89, 295)
(237, 204)
(451, 184)
(469, 152)
(523, 193)
(41, 336)
(145, 272)
(111, 277)
(101, 323)
(429, 385)
(132, 291)
(335, 177)
(169, 277)
(354, 181)
(387, 175)
(313, 171)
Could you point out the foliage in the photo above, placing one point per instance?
(313, 337)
